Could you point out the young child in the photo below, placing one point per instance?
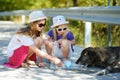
(59, 35)
(25, 44)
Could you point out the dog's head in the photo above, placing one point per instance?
(89, 57)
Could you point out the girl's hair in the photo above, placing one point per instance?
(30, 30)
(54, 34)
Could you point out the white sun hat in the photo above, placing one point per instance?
(36, 15)
(59, 20)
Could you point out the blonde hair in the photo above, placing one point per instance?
(30, 30)
(54, 34)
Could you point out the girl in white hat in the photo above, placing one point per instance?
(59, 40)
(25, 44)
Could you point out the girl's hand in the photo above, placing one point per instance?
(58, 62)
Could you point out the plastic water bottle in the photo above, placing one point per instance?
(67, 64)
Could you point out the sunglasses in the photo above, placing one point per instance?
(41, 25)
(60, 29)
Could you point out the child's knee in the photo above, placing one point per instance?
(65, 43)
(38, 41)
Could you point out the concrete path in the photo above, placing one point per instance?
(36, 73)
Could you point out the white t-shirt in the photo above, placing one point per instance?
(18, 41)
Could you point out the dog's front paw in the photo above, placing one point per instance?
(102, 72)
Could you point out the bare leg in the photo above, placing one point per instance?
(65, 49)
(48, 48)
(39, 41)
(29, 55)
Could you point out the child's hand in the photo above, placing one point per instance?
(58, 62)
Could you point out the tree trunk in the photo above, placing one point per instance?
(75, 3)
(114, 3)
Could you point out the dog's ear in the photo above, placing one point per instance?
(101, 54)
(95, 55)
(100, 57)
(87, 50)
(91, 52)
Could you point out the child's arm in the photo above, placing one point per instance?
(45, 55)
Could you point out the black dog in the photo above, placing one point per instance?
(107, 57)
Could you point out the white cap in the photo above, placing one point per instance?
(36, 15)
(59, 20)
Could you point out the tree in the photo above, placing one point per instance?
(7, 5)
(75, 3)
